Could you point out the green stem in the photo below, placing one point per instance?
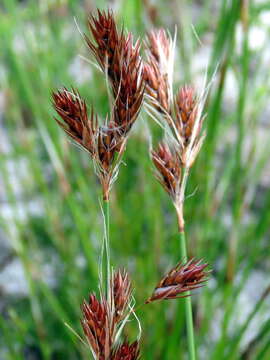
(188, 305)
(107, 218)
(106, 204)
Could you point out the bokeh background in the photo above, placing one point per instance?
(50, 220)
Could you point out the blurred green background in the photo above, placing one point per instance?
(50, 220)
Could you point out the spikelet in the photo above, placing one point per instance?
(102, 320)
(121, 60)
(105, 42)
(76, 122)
(181, 279)
(168, 167)
(98, 327)
(127, 351)
(121, 293)
(157, 70)
(186, 112)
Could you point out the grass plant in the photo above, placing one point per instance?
(50, 215)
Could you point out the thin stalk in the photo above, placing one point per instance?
(181, 228)
(188, 305)
(106, 204)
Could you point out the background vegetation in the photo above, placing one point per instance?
(51, 225)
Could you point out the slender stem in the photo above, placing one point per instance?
(181, 226)
(188, 306)
(180, 202)
(106, 204)
(107, 218)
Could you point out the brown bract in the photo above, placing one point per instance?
(102, 142)
(159, 44)
(179, 280)
(185, 105)
(128, 93)
(102, 320)
(127, 351)
(168, 166)
(121, 293)
(156, 87)
(120, 59)
(105, 40)
(98, 326)
(156, 70)
(76, 122)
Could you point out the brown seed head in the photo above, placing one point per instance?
(126, 351)
(105, 40)
(101, 320)
(75, 120)
(168, 165)
(108, 145)
(121, 293)
(186, 111)
(156, 70)
(97, 326)
(129, 91)
(156, 87)
(179, 280)
(101, 142)
(159, 44)
(121, 60)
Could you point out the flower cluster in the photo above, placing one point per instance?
(180, 280)
(102, 318)
(181, 115)
(120, 61)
